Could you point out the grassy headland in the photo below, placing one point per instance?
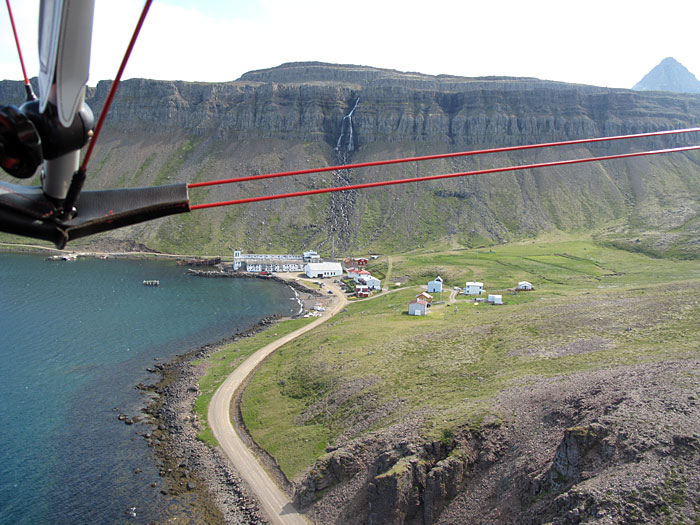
(594, 307)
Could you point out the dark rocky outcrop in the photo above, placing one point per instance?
(603, 446)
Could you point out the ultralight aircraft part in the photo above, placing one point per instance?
(25, 210)
(65, 37)
(20, 143)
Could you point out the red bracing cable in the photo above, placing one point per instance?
(447, 176)
(115, 85)
(441, 156)
(19, 49)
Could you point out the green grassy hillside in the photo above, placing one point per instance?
(594, 307)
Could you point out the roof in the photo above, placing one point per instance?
(321, 266)
(419, 301)
(424, 294)
(362, 272)
(474, 283)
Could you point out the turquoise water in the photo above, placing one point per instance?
(75, 338)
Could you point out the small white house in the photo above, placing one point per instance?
(373, 283)
(495, 299)
(418, 307)
(360, 274)
(474, 288)
(524, 285)
(435, 286)
(323, 269)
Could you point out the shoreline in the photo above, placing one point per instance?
(190, 467)
(194, 471)
(136, 251)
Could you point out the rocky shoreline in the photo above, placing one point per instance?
(196, 474)
(192, 469)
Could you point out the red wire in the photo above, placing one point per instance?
(440, 156)
(436, 177)
(19, 49)
(115, 85)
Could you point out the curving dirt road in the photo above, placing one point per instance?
(273, 500)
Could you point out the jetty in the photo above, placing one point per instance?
(199, 262)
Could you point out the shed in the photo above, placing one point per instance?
(418, 307)
(524, 285)
(425, 296)
(361, 290)
(474, 288)
(323, 269)
(495, 299)
(435, 286)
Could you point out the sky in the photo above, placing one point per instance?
(610, 43)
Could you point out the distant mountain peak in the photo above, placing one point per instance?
(669, 75)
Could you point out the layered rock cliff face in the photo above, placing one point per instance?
(608, 446)
(290, 117)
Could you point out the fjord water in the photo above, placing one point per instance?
(75, 339)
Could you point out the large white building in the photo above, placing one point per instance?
(323, 269)
(258, 262)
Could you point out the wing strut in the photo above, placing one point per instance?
(52, 130)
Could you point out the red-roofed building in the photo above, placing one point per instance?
(425, 296)
(361, 290)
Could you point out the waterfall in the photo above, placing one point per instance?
(346, 142)
(342, 204)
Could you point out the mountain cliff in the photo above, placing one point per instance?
(290, 117)
(669, 75)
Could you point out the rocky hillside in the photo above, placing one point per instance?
(290, 117)
(669, 75)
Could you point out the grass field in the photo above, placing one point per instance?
(227, 359)
(372, 365)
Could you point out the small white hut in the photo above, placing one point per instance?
(418, 307)
(524, 285)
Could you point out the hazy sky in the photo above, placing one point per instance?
(606, 43)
